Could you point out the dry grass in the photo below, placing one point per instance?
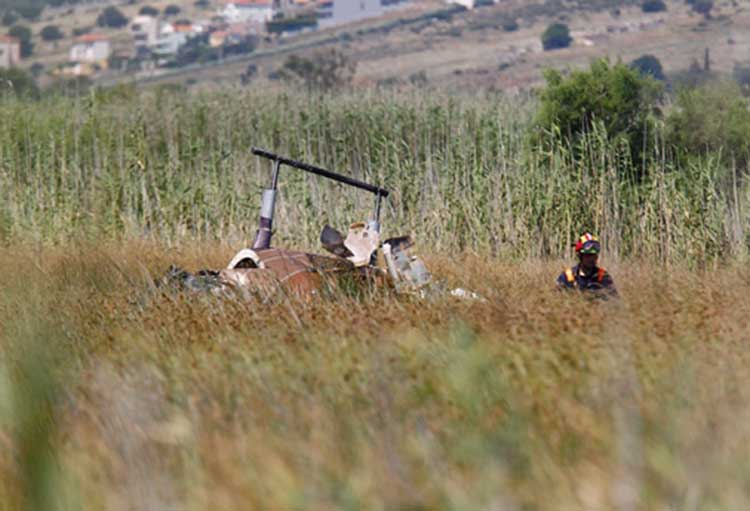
(114, 396)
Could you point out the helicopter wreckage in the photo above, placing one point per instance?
(360, 259)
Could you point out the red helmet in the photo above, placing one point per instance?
(588, 244)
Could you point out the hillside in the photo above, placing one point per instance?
(472, 49)
(491, 47)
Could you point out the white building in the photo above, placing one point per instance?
(10, 51)
(337, 12)
(91, 48)
(242, 11)
(145, 30)
(169, 44)
(469, 4)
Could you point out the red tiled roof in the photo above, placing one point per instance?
(9, 39)
(91, 38)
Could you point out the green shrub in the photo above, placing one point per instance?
(172, 10)
(616, 97)
(324, 71)
(510, 25)
(556, 36)
(51, 33)
(648, 65)
(711, 119)
(653, 6)
(702, 7)
(695, 76)
(23, 34)
(17, 82)
(148, 10)
(111, 17)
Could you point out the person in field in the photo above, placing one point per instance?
(587, 276)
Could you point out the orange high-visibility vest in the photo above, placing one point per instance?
(571, 278)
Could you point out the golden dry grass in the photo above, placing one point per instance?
(116, 396)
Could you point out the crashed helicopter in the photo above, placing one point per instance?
(360, 258)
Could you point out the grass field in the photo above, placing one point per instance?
(115, 395)
(118, 398)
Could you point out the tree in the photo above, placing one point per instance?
(148, 10)
(17, 82)
(556, 36)
(172, 10)
(615, 97)
(510, 25)
(711, 119)
(648, 65)
(111, 17)
(51, 33)
(79, 31)
(324, 71)
(703, 7)
(23, 34)
(653, 6)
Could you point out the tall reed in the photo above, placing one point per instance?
(175, 166)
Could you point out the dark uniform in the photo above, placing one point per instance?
(599, 281)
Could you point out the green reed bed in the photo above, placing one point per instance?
(174, 166)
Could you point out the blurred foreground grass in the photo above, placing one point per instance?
(116, 397)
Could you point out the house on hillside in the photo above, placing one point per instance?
(169, 44)
(145, 31)
(241, 11)
(470, 4)
(91, 49)
(10, 52)
(337, 12)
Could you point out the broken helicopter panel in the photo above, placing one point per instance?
(359, 258)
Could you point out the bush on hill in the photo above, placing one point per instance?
(111, 17)
(648, 65)
(23, 34)
(322, 72)
(616, 98)
(556, 36)
(148, 10)
(51, 33)
(172, 10)
(653, 6)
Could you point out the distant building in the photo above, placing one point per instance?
(337, 12)
(234, 34)
(10, 52)
(169, 44)
(145, 30)
(217, 38)
(185, 27)
(325, 11)
(470, 4)
(256, 11)
(91, 49)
